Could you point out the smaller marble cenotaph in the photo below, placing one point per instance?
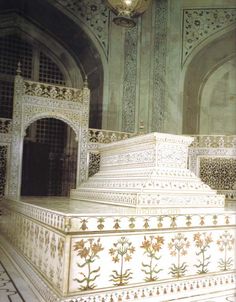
(147, 171)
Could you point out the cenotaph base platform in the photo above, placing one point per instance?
(144, 228)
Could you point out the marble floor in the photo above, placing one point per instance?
(8, 289)
(13, 286)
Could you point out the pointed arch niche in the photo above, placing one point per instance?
(218, 101)
(34, 101)
(202, 66)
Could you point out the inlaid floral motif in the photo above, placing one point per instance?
(121, 252)
(60, 248)
(117, 224)
(53, 246)
(47, 240)
(188, 220)
(84, 224)
(41, 239)
(225, 244)
(100, 224)
(178, 247)
(132, 222)
(88, 251)
(36, 234)
(200, 24)
(152, 246)
(146, 223)
(202, 242)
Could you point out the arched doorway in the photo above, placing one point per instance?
(49, 159)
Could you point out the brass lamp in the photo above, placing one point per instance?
(126, 10)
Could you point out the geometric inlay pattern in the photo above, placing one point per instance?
(94, 163)
(218, 173)
(8, 289)
(3, 165)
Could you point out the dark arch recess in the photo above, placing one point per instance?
(72, 38)
(207, 59)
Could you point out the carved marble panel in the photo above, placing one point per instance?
(94, 163)
(3, 168)
(213, 159)
(143, 258)
(218, 173)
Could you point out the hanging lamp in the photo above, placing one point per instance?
(127, 10)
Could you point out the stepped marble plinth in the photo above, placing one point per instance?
(147, 171)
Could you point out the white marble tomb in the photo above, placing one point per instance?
(148, 171)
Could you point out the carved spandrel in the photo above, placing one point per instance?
(200, 24)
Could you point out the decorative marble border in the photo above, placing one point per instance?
(159, 66)
(130, 79)
(152, 219)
